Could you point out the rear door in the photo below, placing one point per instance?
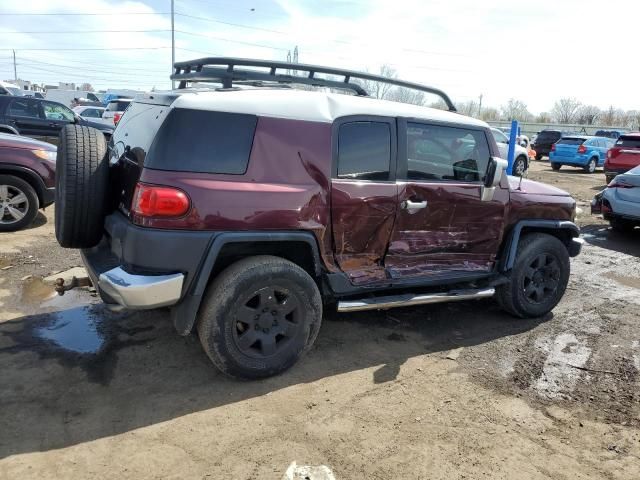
(364, 195)
(443, 228)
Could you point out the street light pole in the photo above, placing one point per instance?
(173, 44)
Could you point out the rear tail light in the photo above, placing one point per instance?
(582, 149)
(156, 201)
(116, 118)
(553, 147)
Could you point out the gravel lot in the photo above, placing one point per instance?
(437, 392)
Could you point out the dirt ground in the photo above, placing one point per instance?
(457, 391)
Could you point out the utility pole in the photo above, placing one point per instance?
(173, 44)
(480, 107)
(15, 70)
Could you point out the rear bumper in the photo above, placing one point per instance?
(578, 160)
(141, 291)
(142, 268)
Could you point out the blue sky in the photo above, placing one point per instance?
(534, 51)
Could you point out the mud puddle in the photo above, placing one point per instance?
(73, 330)
(632, 282)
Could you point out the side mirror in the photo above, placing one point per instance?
(496, 169)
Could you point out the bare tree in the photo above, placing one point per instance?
(489, 113)
(468, 108)
(86, 87)
(515, 110)
(587, 114)
(378, 89)
(405, 95)
(565, 110)
(543, 117)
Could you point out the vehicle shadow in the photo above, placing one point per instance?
(602, 236)
(39, 221)
(56, 394)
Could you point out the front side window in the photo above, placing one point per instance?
(499, 136)
(55, 111)
(364, 151)
(24, 108)
(446, 153)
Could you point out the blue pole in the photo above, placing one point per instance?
(512, 145)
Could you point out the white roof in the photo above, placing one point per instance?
(316, 106)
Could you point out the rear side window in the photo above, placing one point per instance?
(24, 108)
(549, 136)
(117, 106)
(364, 151)
(571, 141)
(446, 153)
(628, 142)
(203, 141)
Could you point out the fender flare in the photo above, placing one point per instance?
(10, 128)
(184, 313)
(511, 244)
(32, 177)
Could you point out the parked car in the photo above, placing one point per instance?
(619, 203)
(623, 156)
(40, 119)
(27, 180)
(245, 209)
(91, 113)
(115, 109)
(544, 140)
(615, 134)
(521, 157)
(581, 151)
(10, 89)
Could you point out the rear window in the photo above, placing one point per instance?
(203, 141)
(117, 106)
(628, 142)
(571, 141)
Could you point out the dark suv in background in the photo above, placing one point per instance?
(40, 119)
(544, 140)
(250, 208)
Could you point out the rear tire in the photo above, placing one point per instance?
(538, 156)
(556, 166)
(592, 165)
(82, 171)
(259, 316)
(538, 279)
(18, 203)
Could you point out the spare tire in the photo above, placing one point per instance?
(82, 171)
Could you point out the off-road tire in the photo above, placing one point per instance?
(512, 298)
(592, 166)
(225, 307)
(17, 185)
(556, 166)
(82, 172)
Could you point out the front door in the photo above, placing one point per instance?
(364, 196)
(57, 116)
(443, 227)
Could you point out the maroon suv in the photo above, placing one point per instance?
(247, 208)
(27, 179)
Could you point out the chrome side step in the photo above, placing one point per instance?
(406, 300)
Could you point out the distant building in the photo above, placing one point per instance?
(26, 85)
(66, 86)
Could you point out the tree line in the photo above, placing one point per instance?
(567, 110)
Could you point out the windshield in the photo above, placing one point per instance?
(571, 141)
(16, 91)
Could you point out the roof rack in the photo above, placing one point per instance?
(223, 70)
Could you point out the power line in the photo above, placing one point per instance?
(82, 14)
(84, 49)
(75, 67)
(90, 31)
(76, 70)
(232, 41)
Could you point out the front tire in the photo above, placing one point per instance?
(556, 166)
(538, 279)
(519, 166)
(259, 316)
(621, 226)
(539, 156)
(18, 203)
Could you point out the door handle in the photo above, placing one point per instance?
(409, 205)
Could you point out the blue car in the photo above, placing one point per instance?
(582, 151)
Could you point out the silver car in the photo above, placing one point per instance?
(619, 203)
(521, 157)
